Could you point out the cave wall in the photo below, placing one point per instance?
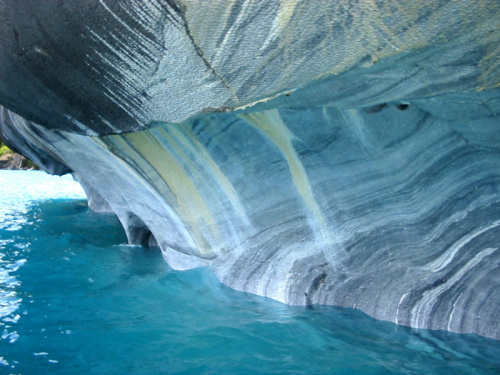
(335, 153)
(388, 209)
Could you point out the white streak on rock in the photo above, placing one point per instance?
(423, 309)
(445, 259)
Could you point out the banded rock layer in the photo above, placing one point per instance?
(347, 156)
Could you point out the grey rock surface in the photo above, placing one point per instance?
(313, 152)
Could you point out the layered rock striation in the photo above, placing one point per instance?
(312, 152)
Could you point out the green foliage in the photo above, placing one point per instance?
(25, 163)
(4, 149)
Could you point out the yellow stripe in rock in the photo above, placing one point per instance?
(192, 207)
(272, 126)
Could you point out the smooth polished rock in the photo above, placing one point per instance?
(108, 66)
(354, 209)
(311, 152)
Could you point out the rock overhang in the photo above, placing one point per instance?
(338, 153)
(114, 67)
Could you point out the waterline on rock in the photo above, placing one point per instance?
(78, 299)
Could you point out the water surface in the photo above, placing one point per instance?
(76, 299)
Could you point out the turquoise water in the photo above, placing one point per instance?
(75, 299)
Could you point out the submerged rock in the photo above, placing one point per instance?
(311, 152)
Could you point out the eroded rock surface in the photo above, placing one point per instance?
(312, 152)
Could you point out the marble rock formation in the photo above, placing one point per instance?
(315, 152)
